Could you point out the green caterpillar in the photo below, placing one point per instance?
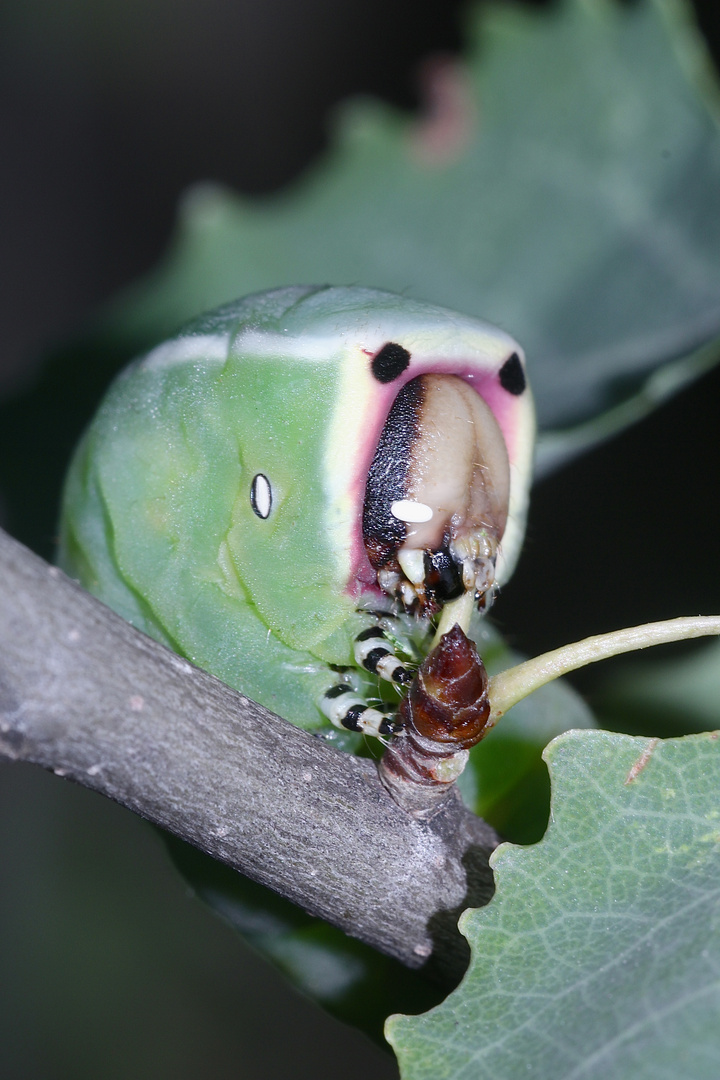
(292, 490)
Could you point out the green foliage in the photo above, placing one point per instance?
(681, 696)
(599, 954)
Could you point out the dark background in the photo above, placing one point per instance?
(108, 110)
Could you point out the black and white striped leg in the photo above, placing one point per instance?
(374, 652)
(346, 709)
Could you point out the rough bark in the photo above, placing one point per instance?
(86, 695)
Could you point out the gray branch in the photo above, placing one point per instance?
(85, 694)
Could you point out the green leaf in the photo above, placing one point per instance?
(555, 448)
(599, 955)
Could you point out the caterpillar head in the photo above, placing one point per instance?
(295, 450)
(429, 447)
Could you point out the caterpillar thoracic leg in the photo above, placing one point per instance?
(346, 709)
(374, 652)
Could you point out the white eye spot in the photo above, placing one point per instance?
(261, 496)
(410, 511)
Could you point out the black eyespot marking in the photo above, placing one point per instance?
(261, 495)
(390, 362)
(512, 376)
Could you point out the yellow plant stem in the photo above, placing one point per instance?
(458, 612)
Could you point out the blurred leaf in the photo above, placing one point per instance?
(675, 696)
(599, 954)
(555, 448)
(567, 188)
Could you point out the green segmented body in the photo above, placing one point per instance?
(216, 500)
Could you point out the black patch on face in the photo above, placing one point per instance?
(387, 476)
(390, 362)
(512, 376)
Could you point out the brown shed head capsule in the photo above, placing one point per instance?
(448, 700)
